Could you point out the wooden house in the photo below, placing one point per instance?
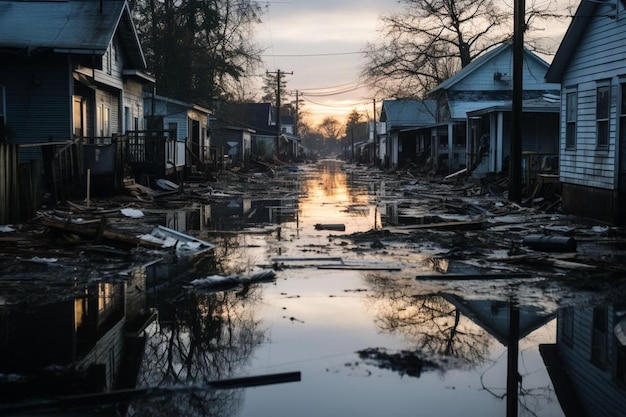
(591, 68)
(475, 103)
(234, 141)
(184, 128)
(269, 139)
(71, 81)
(405, 137)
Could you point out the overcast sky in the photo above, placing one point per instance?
(320, 42)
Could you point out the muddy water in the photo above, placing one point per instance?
(367, 338)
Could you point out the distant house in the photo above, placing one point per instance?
(269, 139)
(71, 72)
(475, 103)
(404, 139)
(236, 142)
(186, 125)
(591, 68)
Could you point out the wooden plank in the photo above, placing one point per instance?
(475, 224)
(92, 232)
(480, 276)
(360, 267)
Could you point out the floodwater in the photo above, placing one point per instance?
(346, 329)
(366, 339)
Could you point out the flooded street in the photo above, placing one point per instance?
(357, 313)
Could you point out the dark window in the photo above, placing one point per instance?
(570, 120)
(622, 116)
(567, 329)
(599, 337)
(602, 115)
(2, 117)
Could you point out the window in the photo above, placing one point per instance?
(103, 116)
(599, 337)
(3, 133)
(603, 103)
(567, 328)
(570, 120)
(622, 117)
(109, 60)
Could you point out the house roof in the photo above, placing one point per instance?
(403, 113)
(480, 61)
(69, 26)
(182, 104)
(546, 104)
(575, 32)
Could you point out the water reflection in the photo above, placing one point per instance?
(199, 338)
(587, 364)
(431, 324)
(73, 346)
(367, 344)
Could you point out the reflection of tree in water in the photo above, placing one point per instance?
(431, 325)
(204, 337)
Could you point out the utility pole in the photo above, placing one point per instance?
(279, 77)
(515, 159)
(375, 137)
(296, 119)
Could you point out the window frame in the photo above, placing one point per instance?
(600, 337)
(603, 115)
(3, 115)
(621, 115)
(571, 118)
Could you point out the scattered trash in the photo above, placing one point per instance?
(338, 227)
(6, 229)
(232, 281)
(166, 185)
(551, 243)
(133, 213)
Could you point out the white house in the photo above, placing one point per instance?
(590, 64)
(481, 93)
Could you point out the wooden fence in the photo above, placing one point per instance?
(19, 186)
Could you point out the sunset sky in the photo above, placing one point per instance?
(321, 43)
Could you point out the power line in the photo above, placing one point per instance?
(315, 55)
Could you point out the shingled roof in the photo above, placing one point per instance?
(69, 26)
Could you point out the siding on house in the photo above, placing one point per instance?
(593, 54)
(38, 103)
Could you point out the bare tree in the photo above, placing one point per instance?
(430, 40)
(198, 50)
(330, 128)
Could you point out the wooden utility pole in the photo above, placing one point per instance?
(375, 138)
(515, 158)
(279, 77)
(512, 375)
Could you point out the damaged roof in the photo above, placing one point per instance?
(69, 26)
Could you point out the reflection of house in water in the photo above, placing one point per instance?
(494, 316)
(241, 212)
(73, 345)
(587, 364)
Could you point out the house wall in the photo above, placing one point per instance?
(484, 78)
(112, 66)
(38, 99)
(133, 101)
(586, 171)
(595, 386)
